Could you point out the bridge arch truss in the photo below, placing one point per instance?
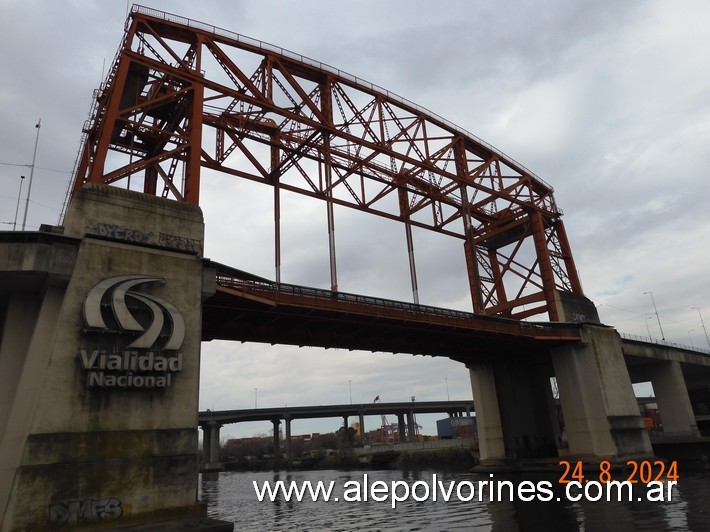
(182, 95)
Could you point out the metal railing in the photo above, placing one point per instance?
(235, 279)
(649, 340)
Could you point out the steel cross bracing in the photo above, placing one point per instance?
(182, 96)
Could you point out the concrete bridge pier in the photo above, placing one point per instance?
(513, 410)
(411, 427)
(491, 444)
(361, 419)
(517, 416)
(277, 437)
(287, 440)
(672, 397)
(401, 427)
(210, 446)
(598, 403)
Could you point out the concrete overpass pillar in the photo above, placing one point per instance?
(401, 427)
(210, 446)
(277, 439)
(287, 441)
(411, 426)
(485, 399)
(600, 410)
(523, 392)
(514, 406)
(361, 417)
(673, 400)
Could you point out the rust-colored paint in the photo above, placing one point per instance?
(330, 136)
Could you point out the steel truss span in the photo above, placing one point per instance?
(182, 95)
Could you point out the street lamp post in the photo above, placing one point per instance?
(32, 171)
(663, 336)
(350, 389)
(17, 208)
(702, 323)
(256, 391)
(446, 380)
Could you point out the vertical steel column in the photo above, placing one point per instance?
(404, 213)
(474, 278)
(327, 108)
(277, 231)
(191, 193)
(96, 163)
(543, 257)
(574, 280)
(499, 286)
(275, 175)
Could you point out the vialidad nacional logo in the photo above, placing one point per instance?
(133, 337)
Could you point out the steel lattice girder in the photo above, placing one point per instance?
(182, 95)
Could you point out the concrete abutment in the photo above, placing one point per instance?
(100, 349)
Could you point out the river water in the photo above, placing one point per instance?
(231, 496)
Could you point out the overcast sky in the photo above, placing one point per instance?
(607, 101)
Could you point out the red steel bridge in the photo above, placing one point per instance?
(182, 96)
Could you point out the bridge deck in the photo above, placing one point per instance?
(249, 308)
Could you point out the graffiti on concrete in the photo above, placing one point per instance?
(137, 236)
(180, 242)
(118, 232)
(72, 513)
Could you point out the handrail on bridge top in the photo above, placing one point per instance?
(649, 340)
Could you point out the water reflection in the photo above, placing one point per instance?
(231, 496)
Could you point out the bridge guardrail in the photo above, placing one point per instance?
(649, 340)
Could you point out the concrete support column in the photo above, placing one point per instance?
(206, 444)
(673, 401)
(490, 429)
(411, 426)
(523, 391)
(25, 378)
(600, 410)
(287, 441)
(361, 418)
(277, 441)
(401, 427)
(20, 310)
(210, 445)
